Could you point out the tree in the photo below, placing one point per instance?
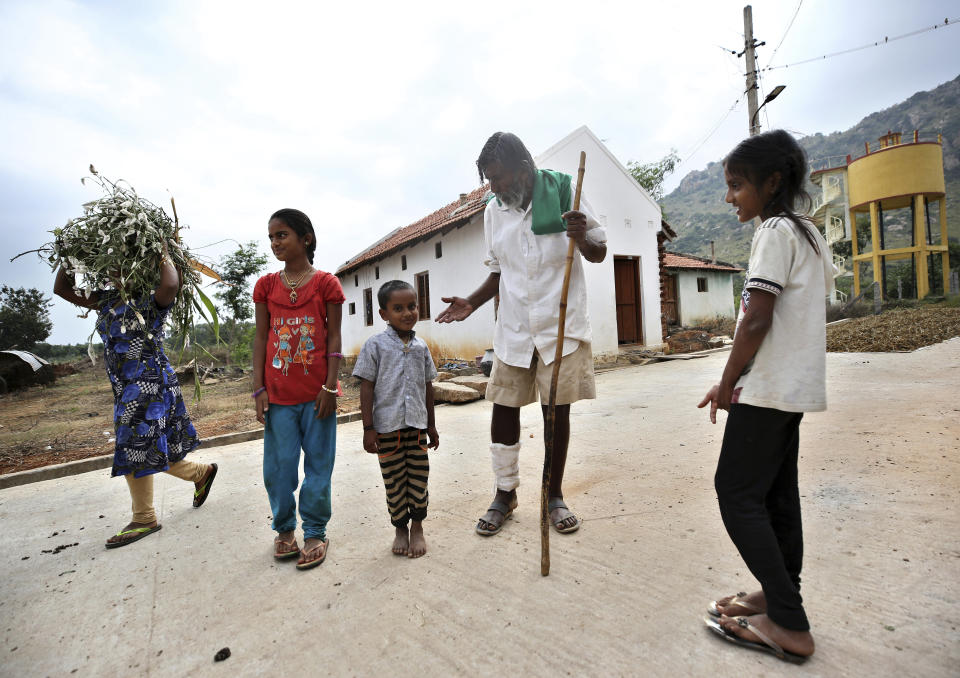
(235, 269)
(24, 317)
(651, 175)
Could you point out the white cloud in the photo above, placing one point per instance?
(369, 115)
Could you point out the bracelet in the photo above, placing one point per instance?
(334, 355)
(371, 427)
(259, 391)
(329, 390)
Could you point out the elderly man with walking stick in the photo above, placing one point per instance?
(527, 228)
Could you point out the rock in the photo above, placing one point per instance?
(444, 376)
(447, 392)
(688, 341)
(477, 382)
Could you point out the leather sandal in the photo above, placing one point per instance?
(768, 645)
(314, 556)
(495, 505)
(555, 503)
(285, 549)
(735, 600)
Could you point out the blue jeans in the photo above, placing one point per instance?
(288, 429)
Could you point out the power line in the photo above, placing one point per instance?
(878, 43)
(789, 26)
(715, 128)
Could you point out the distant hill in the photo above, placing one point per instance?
(697, 213)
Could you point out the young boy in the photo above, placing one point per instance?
(396, 401)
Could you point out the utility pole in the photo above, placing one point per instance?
(749, 45)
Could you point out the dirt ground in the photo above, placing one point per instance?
(73, 418)
(880, 486)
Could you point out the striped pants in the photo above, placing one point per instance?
(405, 468)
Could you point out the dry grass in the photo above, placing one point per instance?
(895, 330)
(73, 417)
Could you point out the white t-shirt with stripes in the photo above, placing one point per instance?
(788, 371)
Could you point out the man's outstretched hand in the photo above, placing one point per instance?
(459, 309)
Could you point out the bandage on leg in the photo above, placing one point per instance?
(506, 465)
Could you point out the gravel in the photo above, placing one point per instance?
(895, 330)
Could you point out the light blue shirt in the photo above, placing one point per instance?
(400, 374)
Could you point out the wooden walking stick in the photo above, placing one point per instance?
(552, 401)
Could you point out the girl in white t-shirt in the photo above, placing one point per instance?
(775, 373)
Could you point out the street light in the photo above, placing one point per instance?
(770, 97)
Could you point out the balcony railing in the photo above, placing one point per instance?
(835, 230)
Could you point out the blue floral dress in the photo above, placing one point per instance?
(153, 429)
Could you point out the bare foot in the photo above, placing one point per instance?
(796, 642)
(751, 603)
(401, 543)
(127, 534)
(418, 545)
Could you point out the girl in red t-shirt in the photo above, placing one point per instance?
(296, 355)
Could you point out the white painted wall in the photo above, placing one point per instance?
(457, 273)
(632, 221)
(698, 306)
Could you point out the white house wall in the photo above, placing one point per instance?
(457, 273)
(699, 306)
(632, 221)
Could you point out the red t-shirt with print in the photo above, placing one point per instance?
(296, 364)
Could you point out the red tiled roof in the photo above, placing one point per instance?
(455, 214)
(677, 260)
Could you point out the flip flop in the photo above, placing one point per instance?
(283, 555)
(767, 645)
(751, 608)
(556, 503)
(307, 564)
(138, 532)
(495, 505)
(200, 496)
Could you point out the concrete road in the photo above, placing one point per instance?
(880, 479)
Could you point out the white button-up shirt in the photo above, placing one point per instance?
(531, 280)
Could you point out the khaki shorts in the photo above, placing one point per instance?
(513, 386)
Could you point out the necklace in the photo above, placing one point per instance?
(294, 285)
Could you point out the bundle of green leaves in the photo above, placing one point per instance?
(118, 243)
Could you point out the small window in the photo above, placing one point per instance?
(423, 294)
(438, 250)
(356, 281)
(701, 284)
(403, 262)
(376, 272)
(368, 306)
(353, 308)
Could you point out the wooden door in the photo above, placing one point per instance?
(626, 281)
(669, 300)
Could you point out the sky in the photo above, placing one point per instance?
(368, 116)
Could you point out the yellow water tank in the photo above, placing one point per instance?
(895, 174)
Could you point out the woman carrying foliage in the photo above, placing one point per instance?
(153, 430)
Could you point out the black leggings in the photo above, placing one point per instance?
(756, 484)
